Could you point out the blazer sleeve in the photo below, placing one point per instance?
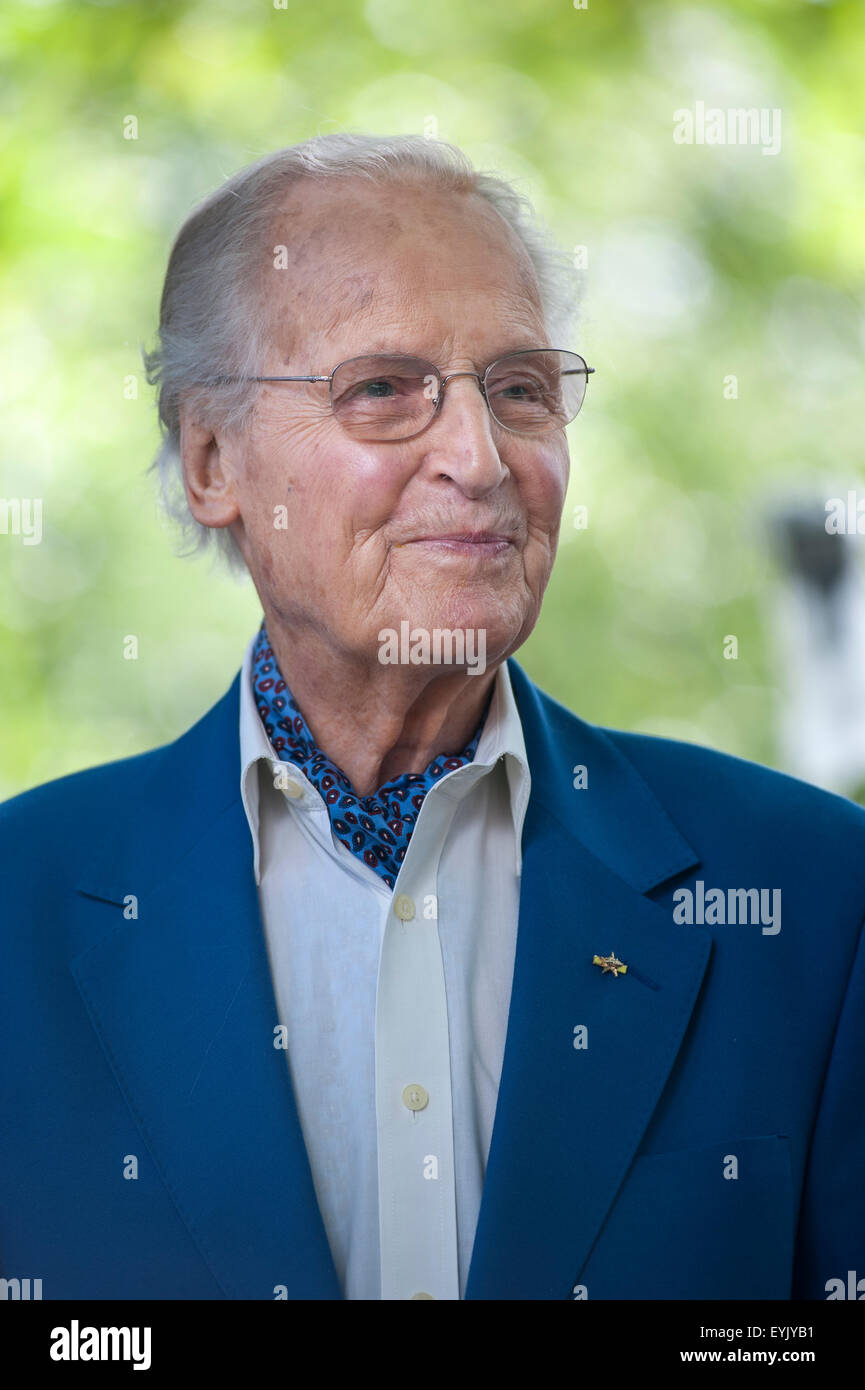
(831, 1237)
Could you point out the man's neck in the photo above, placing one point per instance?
(377, 722)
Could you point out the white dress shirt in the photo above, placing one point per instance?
(394, 1004)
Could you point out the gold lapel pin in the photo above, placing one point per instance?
(610, 964)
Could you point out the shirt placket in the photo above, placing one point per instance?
(414, 1110)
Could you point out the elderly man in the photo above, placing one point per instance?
(392, 978)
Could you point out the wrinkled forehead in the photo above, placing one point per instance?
(368, 267)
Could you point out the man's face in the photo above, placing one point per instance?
(434, 275)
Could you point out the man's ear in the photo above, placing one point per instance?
(207, 473)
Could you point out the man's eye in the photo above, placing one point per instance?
(520, 390)
(376, 389)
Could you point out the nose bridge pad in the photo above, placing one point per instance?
(453, 376)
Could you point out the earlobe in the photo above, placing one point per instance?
(207, 475)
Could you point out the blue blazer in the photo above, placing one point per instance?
(693, 1128)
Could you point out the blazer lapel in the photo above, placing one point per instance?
(569, 1120)
(182, 1001)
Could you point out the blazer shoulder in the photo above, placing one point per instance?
(87, 797)
(701, 789)
(74, 802)
(692, 774)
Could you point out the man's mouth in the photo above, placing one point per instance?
(486, 543)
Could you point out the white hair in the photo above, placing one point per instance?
(206, 330)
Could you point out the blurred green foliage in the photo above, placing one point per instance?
(702, 263)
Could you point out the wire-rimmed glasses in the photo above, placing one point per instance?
(392, 397)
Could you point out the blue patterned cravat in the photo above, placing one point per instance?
(376, 828)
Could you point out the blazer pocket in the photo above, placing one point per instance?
(711, 1222)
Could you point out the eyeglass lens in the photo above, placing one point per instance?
(379, 398)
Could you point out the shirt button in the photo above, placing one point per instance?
(404, 907)
(424, 1295)
(294, 790)
(415, 1097)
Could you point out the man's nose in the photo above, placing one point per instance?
(460, 441)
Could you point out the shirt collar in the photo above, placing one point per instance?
(501, 740)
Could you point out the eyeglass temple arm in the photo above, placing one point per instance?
(227, 380)
(572, 371)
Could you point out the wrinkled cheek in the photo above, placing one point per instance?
(277, 553)
(266, 568)
(539, 560)
(558, 474)
(553, 518)
(559, 491)
(546, 491)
